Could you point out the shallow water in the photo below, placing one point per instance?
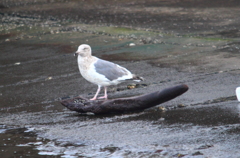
(186, 131)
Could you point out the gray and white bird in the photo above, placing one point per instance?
(101, 72)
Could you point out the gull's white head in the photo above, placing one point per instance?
(84, 50)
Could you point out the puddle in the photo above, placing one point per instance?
(20, 142)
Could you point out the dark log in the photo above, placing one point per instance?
(123, 105)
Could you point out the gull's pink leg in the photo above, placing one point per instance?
(95, 96)
(105, 94)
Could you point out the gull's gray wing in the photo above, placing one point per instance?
(110, 70)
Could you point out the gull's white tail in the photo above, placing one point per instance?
(238, 93)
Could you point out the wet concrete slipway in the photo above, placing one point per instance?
(167, 42)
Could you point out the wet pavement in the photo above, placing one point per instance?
(175, 42)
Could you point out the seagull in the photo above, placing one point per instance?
(101, 72)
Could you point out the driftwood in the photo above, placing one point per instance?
(123, 105)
